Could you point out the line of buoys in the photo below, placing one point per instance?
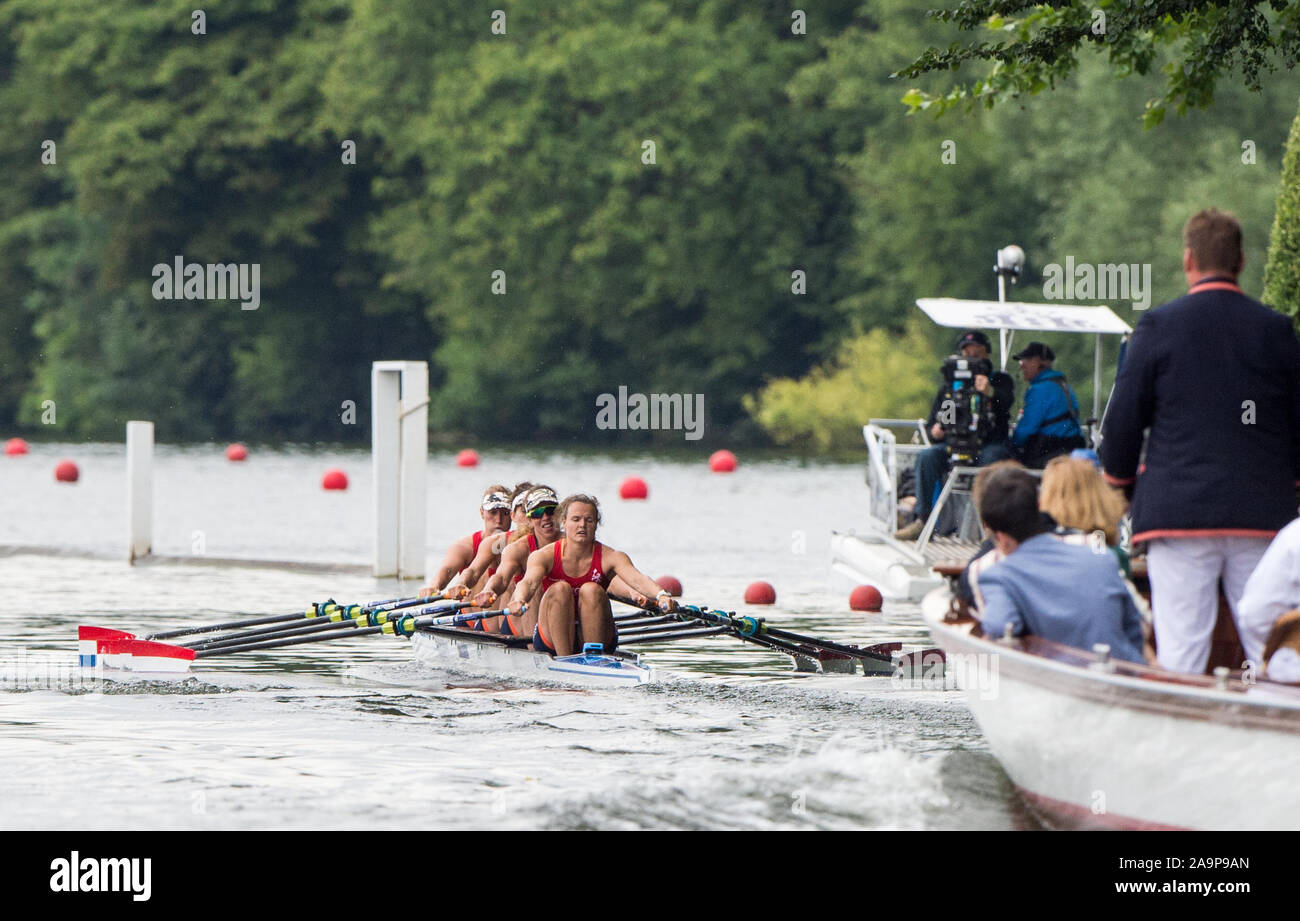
(15, 447)
(865, 598)
(722, 462)
(671, 584)
(236, 452)
(467, 458)
(760, 593)
(334, 479)
(65, 471)
(633, 488)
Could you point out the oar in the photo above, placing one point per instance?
(369, 619)
(403, 626)
(321, 609)
(752, 629)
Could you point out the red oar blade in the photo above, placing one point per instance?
(101, 646)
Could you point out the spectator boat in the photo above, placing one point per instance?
(901, 570)
(1091, 742)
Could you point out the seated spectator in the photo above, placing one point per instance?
(1046, 587)
(1272, 590)
(1049, 420)
(1075, 494)
(986, 554)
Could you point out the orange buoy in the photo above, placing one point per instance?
(334, 479)
(865, 598)
(633, 488)
(65, 471)
(722, 462)
(760, 593)
(236, 452)
(15, 446)
(671, 585)
(467, 458)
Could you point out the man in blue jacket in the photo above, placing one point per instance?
(1213, 381)
(1046, 587)
(1049, 420)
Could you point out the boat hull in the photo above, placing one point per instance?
(898, 572)
(461, 650)
(1091, 745)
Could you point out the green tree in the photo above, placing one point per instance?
(1038, 44)
(1282, 276)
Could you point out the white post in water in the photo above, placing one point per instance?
(399, 405)
(139, 489)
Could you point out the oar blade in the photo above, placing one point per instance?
(117, 649)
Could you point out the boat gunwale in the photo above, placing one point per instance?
(1063, 669)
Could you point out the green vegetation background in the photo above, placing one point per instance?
(522, 152)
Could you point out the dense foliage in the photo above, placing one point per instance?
(702, 196)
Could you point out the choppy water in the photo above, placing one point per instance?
(355, 734)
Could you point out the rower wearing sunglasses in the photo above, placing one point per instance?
(574, 576)
(494, 509)
(542, 529)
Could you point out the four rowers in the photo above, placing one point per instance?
(560, 586)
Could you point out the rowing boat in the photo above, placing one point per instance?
(490, 653)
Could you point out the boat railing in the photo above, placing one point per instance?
(886, 459)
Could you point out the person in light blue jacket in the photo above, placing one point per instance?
(1049, 420)
(1045, 587)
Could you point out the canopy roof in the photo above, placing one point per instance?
(1054, 318)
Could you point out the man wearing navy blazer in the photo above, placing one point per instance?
(1203, 428)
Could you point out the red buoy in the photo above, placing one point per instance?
(633, 488)
(760, 593)
(722, 462)
(66, 472)
(236, 452)
(671, 585)
(865, 598)
(467, 458)
(15, 446)
(334, 479)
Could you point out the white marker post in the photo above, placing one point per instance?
(399, 405)
(139, 489)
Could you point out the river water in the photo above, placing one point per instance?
(354, 734)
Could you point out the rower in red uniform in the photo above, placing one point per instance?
(541, 530)
(573, 576)
(495, 512)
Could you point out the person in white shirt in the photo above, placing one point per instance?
(1272, 590)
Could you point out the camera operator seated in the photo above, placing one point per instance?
(968, 422)
(1049, 420)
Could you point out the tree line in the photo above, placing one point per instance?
(548, 202)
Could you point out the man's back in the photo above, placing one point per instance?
(1062, 592)
(1215, 376)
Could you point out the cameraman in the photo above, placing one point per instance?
(998, 390)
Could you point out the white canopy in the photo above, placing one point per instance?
(1055, 318)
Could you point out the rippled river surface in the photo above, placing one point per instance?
(354, 734)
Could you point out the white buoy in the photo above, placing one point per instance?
(139, 489)
(399, 405)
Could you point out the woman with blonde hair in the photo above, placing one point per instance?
(1075, 495)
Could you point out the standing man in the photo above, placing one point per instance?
(1049, 420)
(932, 464)
(1215, 377)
